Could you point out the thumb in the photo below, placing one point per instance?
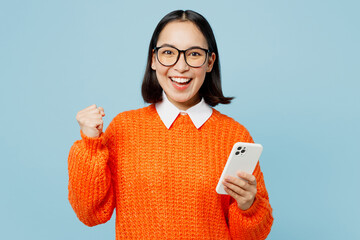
(100, 127)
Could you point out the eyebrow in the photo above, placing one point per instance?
(170, 45)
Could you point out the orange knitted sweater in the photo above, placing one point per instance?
(162, 181)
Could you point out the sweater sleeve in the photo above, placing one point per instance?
(91, 192)
(255, 222)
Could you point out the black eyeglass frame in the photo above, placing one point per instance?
(207, 51)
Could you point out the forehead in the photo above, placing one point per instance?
(182, 35)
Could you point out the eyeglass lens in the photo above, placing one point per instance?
(194, 57)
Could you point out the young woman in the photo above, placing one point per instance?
(158, 166)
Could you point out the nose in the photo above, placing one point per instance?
(181, 64)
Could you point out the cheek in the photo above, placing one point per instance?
(200, 74)
(161, 72)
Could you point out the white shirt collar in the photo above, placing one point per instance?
(198, 114)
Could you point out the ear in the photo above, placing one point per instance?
(153, 59)
(211, 62)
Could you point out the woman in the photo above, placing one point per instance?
(158, 166)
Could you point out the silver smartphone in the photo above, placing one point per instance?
(243, 157)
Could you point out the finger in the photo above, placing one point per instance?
(93, 116)
(244, 202)
(101, 111)
(87, 119)
(248, 177)
(239, 193)
(90, 112)
(93, 123)
(95, 110)
(100, 127)
(88, 108)
(235, 188)
(240, 198)
(230, 192)
(241, 183)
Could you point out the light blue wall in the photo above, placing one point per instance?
(293, 67)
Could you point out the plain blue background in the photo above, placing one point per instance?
(293, 67)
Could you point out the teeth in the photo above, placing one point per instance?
(181, 80)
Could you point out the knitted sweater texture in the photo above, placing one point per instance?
(161, 182)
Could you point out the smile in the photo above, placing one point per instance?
(180, 80)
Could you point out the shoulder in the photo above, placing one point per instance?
(230, 126)
(225, 120)
(136, 114)
(137, 118)
(129, 121)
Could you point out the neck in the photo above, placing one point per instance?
(188, 104)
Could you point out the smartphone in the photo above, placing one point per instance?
(243, 157)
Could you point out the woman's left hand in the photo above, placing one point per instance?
(242, 189)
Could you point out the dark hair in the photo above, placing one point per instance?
(211, 89)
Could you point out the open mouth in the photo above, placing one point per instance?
(180, 81)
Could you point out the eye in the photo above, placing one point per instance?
(195, 53)
(167, 52)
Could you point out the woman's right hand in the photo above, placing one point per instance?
(90, 120)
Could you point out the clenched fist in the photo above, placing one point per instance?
(90, 120)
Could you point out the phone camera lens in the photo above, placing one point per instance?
(237, 153)
(239, 148)
(242, 151)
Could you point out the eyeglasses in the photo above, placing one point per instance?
(168, 56)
